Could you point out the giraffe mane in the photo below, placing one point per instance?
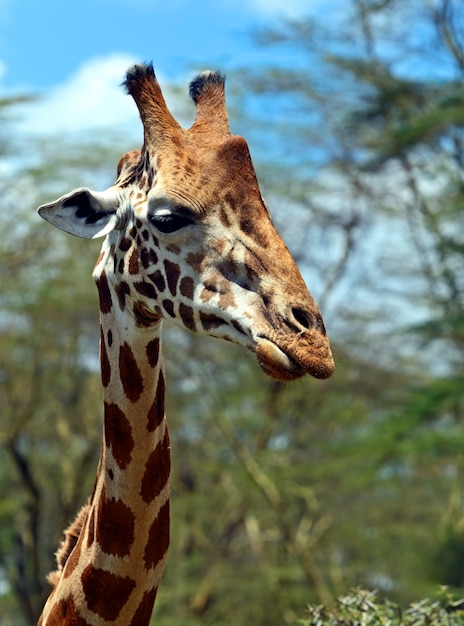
(71, 537)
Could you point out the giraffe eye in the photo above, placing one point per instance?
(170, 222)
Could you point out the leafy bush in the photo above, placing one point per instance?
(361, 608)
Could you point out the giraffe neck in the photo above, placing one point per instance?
(116, 566)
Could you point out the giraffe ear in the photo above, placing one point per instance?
(83, 213)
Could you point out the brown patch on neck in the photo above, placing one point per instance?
(143, 613)
(158, 538)
(104, 361)
(153, 351)
(105, 593)
(131, 377)
(156, 413)
(118, 435)
(157, 470)
(65, 612)
(115, 526)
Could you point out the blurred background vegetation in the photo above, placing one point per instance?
(283, 495)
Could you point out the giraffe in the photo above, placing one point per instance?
(186, 237)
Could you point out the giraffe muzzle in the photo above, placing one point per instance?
(275, 363)
(308, 353)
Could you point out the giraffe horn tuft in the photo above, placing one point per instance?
(203, 81)
(139, 71)
(207, 91)
(158, 123)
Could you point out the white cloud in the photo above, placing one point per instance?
(91, 98)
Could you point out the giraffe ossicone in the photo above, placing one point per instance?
(187, 237)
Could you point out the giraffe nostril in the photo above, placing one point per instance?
(303, 318)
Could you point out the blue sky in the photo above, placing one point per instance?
(74, 54)
(43, 42)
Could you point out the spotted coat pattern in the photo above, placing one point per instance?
(187, 237)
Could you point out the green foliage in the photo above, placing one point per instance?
(50, 392)
(48, 395)
(362, 469)
(282, 494)
(362, 608)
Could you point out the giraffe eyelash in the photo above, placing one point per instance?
(170, 222)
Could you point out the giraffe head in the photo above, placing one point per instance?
(188, 236)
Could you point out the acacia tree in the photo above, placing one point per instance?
(362, 124)
(291, 493)
(372, 112)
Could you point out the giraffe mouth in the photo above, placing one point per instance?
(313, 357)
(275, 362)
